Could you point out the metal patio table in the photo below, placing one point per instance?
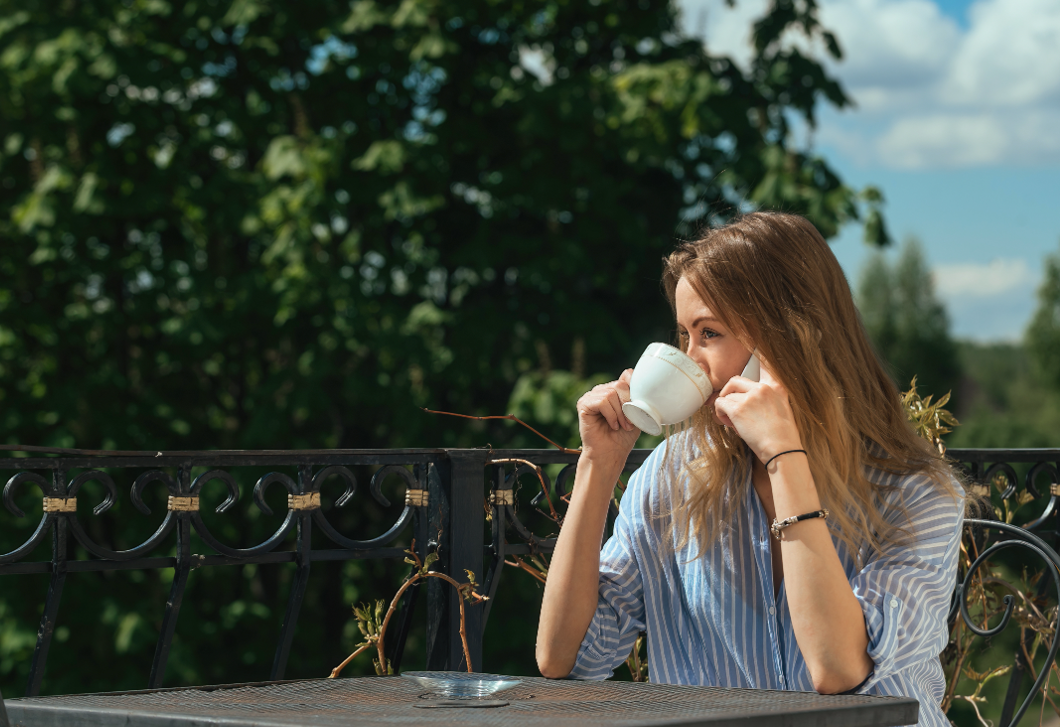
(536, 702)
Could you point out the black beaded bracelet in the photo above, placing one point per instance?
(779, 525)
(787, 451)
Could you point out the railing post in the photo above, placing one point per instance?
(55, 590)
(438, 477)
(408, 602)
(303, 561)
(181, 571)
(467, 520)
(457, 525)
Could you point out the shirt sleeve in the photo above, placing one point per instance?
(905, 592)
(619, 617)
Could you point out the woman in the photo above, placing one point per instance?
(852, 600)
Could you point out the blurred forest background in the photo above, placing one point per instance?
(248, 224)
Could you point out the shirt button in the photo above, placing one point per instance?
(772, 610)
(894, 603)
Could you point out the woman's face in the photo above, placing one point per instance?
(707, 341)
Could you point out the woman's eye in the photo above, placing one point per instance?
(706, 333)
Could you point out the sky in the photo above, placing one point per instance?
(957, 121)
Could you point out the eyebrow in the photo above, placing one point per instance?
(701, 319)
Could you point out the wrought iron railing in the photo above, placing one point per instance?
(449, 495)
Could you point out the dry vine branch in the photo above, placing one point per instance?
(540, 571)
(986, 591)
(638, 667)
(375, 631)
(511, 418)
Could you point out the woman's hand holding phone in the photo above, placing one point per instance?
(605, 431)
(760, 412)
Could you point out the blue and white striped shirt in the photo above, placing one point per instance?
(714, 620)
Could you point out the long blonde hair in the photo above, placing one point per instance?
(774, 282)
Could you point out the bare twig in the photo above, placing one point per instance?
(972, 701)
(638, 668)
(521, 564)
(338, 670)
(466, 591)
(511, 418)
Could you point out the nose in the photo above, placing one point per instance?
(698, 354)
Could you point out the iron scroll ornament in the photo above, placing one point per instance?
(561, 490)
(1022, 539)
(39, 534)
(178, 487)
(136, 495)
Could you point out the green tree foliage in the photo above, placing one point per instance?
(1043, 334)
(1011, 391)
(1004, 401)
(274, 224)
(907, 323)
(252, 224)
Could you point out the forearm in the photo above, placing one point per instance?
(827, 619)
(572, 587)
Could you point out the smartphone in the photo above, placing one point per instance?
(753, 369)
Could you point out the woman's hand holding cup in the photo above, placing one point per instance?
(605, 431)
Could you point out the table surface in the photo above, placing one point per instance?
(536, 702)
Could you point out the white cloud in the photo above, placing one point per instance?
(890, 45)
(977, 138)
(725, 30)
(987, 301)
(999, 277)
(929, 94)
(942, 140)
(1010, 56)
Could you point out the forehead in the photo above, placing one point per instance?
(689, 305)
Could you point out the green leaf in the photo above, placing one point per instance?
(244, 12)
(364, 15)
(385, 157)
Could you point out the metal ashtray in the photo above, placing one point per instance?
(459, 689)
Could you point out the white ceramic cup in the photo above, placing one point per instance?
(667, 387)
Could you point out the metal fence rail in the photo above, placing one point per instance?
(60, 481)
(448, 493)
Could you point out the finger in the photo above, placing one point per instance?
(620, 386)
(721, 409)
(614, 399)
(600, 406)
(737, 385)
(626, 376)
(731, 402)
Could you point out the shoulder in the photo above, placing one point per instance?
(911, 487)
(924, 504)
